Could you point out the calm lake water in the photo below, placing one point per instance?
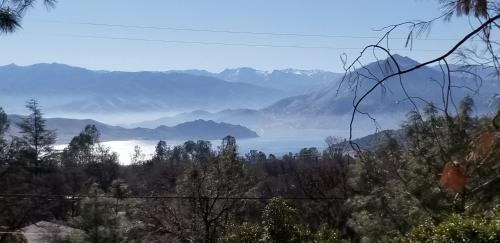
(277, 145)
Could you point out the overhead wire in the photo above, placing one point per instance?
(228, 31)
(80, 197)
(170, 41)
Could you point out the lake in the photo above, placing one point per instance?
(275, 144)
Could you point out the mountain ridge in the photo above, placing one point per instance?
(67, 128)
(332, 106)
(66, 88)
(388, 98)
(292, 81)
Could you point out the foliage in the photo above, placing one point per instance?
(12, 11)
(457, 228)
(243, 233)
(98, 218)
(137, 156)
(208, 180)
(478, 8)
(326, 234)
(211, 195)
(4, 126)
(35, 135)
(85, 161)
(28, 165)
(425, 178)
(280, 223)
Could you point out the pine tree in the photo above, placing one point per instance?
(4, 126)
(39, 139)
(161, 151)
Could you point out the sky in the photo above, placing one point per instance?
(78, 32)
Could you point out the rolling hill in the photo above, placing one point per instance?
(66, 129)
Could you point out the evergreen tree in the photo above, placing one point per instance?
(11, 12)
(161, 151)
(4, 126)
(98, 218)
(39, 139)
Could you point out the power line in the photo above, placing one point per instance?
(222, 43)
(207, 30)
(166, 197)
(25, 233)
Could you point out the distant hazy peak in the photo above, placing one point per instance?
(238, 70)
(403, 61)
(302, 71)
(45, 67)
(249, 70)
(243, 70)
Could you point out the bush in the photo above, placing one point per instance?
(457, 228)
(280, 223)
(244, 233)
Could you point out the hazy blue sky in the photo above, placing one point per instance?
(54, 36)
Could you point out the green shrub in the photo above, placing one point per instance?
(457, 228)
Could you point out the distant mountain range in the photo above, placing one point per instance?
(331, 106)
(290, 81)
(389, 98)
(66, 129)
(61, 88)
(66, 89)
(256, 99)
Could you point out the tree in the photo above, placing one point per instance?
(17, 175)
(85, 161)
(478, 8)
(103, 168)
(255, 157)
(244, 233)
(39, 139)
(309, 153)
(324, 178)
(228, 147)
(137, 156)
(12, 11)
(80, 148)
(4, 123)
(280, 223)
(425, 177)
(76, 157)
(98, 218)
(335, 147)
(161, 151)
(4, 126)
(398, 185)
(457, 228)
(210, 184)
